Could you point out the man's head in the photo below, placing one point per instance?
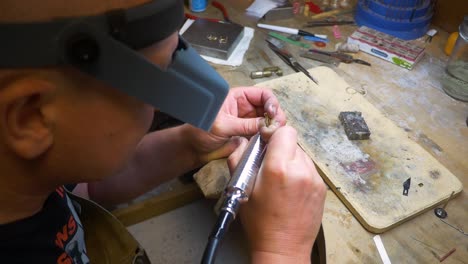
(105, 47)
(32, 11)
(61, 124)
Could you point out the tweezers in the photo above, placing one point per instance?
(290, 60)
(342, 57)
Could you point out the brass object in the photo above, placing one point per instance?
(260, 74)
(219, 39)
(266, 72)
(223, 40)
(274, 69)
(267, 119)
(211, 38)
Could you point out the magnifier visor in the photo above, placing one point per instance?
(105, 47)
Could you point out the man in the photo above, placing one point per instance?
(66, 123)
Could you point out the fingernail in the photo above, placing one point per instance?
(272, 110)
(236, 140)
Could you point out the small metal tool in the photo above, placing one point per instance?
(440, 211)
(289, 59)
(406, 186)
(346, 58)
(266, 72)
(260, 74)
(274, 69)
(455, 227)
(275, 42)
(320, 57)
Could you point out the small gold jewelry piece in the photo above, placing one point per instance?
(267, 120)
(211, 37)
(223, 40)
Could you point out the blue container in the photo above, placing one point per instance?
(405, 19)
(198, 5)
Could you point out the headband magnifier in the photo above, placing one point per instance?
(104, 47)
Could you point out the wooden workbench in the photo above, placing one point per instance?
(415, 101)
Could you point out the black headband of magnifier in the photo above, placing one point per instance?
(104, 46)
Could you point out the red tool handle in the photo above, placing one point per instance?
(190, 16)
(222, 8)
(314, 8)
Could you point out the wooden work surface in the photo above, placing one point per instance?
(367, 175)
(415, 102)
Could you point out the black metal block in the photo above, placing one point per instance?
(354, 125)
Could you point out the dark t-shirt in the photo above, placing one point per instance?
(53, 235)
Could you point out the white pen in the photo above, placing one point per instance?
(291, 31)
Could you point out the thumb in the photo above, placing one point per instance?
(236, 156)
(225, 150)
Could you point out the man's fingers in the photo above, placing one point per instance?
(282, 144)
(255, 95)
(267, 131)
(235, 157)
(260, 97)
(238, 126)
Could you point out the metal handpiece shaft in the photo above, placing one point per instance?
(242, 181)
(243, 178)
(237, 191)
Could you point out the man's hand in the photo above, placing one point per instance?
(284, 212)
(242, 114)
(168, 153)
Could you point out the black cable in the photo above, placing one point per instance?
(220, 229)
(211, 248)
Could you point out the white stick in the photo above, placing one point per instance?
(280, 29)
(381, 249)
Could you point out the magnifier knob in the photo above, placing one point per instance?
(83, 48)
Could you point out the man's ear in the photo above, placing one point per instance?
(24, 125)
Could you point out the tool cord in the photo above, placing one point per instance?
(220, 229)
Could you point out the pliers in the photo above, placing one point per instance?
(289, 59)
(342, 57)
(219, 6)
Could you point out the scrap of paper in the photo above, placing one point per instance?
(260, 7)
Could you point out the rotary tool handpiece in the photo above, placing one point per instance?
(237, 191)
(242, 181)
